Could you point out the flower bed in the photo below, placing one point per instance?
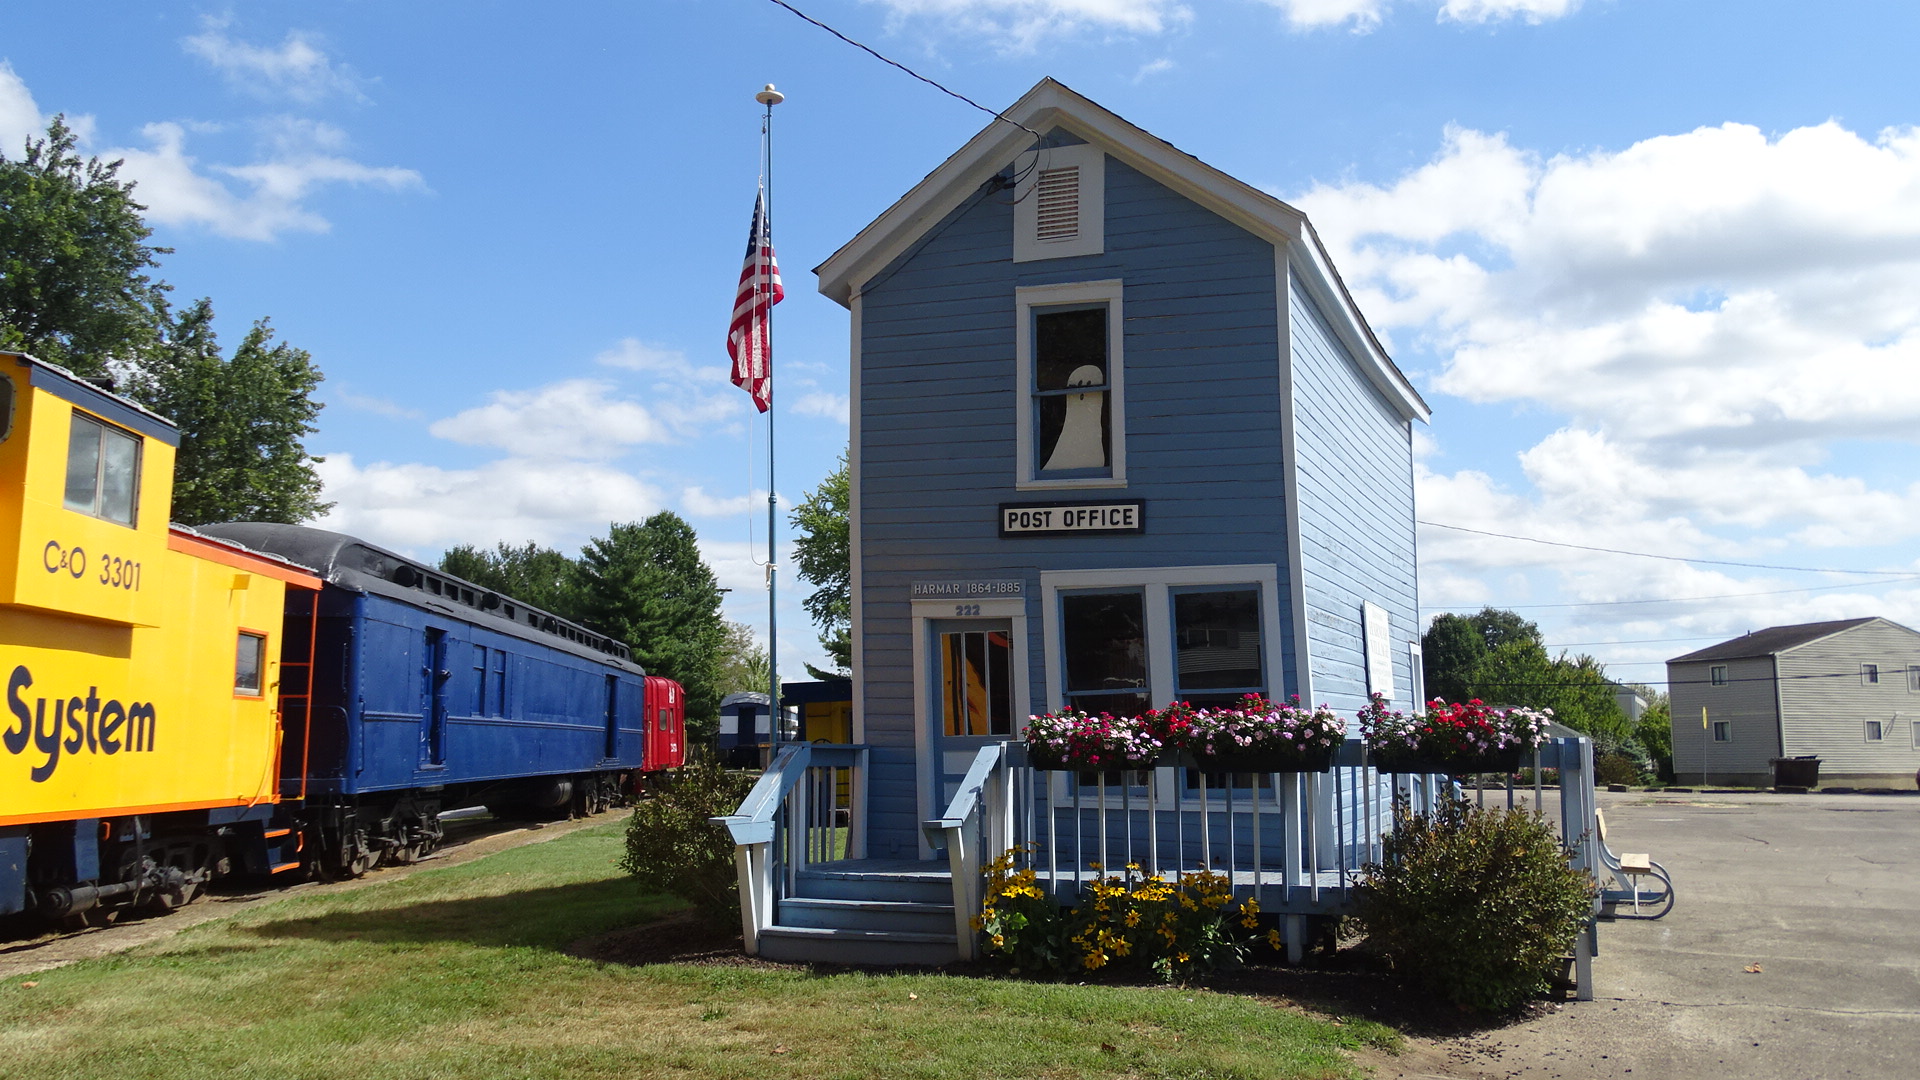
(1463, 738)
(1076, 739)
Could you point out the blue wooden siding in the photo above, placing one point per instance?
(1355, 488)
(937, 428)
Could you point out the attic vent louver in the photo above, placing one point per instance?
(1058, 212)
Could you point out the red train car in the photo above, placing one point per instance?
(666, 724)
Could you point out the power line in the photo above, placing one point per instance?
(1686, 599)
(869, 50)
(1645, 554)
(1633, 641)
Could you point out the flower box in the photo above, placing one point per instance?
(1287, 760)
(1414, 761)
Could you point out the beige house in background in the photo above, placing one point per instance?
(1846, 691)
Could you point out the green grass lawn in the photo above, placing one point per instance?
(457, 972)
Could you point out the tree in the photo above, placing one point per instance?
(74, 290)
(743, 662)
(529, 574)
(1450, 651)
(73, 259)
(823, 551)
(645, 584)
(242, 421)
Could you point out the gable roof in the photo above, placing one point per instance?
(1774, 639)
(1051, 105)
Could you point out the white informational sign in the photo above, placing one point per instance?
(966, 590)
(1373, 620)
(1071, 518)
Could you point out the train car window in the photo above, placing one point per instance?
(6, 408)
(103, 470)
(249, 661)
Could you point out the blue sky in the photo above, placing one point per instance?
(1655, 264)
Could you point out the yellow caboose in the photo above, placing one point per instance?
(139, 744)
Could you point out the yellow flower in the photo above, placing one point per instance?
(1273, 939)
(1133, 918)
(1182, 957)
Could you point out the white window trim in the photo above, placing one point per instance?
(1866, 731)
(1090, 238)
(925, 611)
(1025, 299)
(1417, 675)
(1869, 674)
(1155, 583)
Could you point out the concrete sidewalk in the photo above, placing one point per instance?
(1820, 892)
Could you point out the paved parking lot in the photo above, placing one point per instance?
(1820, 892)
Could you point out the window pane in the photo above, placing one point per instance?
(1070, 383)
(6, 408)
(1874, 731)
(1104, 640)
(976, 692)
(83, 465)
(120, 479)
(1000, 674)
(246, 667)
(1217, 641)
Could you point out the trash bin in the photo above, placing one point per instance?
(1803, 771)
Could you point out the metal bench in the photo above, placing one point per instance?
(1628, 870)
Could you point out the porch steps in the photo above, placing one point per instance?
(866, 912)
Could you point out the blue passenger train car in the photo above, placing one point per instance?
(430, 693)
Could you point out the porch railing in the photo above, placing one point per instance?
(808, 807)
(1296, 842)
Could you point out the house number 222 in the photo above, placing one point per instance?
(966, 609)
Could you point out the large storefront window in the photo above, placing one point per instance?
(1104, 646)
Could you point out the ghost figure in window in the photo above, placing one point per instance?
(1082, 442)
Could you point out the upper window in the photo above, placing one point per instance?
(1072, 425)
(1717, 674)
(1723, 731)
(1876, 731)
(1913, 679)
(103, 470)
(1869, 674)
(249, 662)
(1059, 207)
(1103, 639)
(6, 407)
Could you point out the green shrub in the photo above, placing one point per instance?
(1478, 903)
(1180, 930)
(1618, 768)
(673, 849)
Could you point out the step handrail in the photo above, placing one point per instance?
(964, 831)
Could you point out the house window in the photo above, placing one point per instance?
(1059, 207)
(1072, 424)
(1876, 731)
(1217, 649)
(103, 470)
(1417, 674)
(1869, 674)
(1717, 674)
(1104, 650)
(249, 661)
(1913, 679)
(976, 682)
(1723, 731)
(6, 407)
(1916, 734)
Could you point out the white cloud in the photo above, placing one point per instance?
(1366, 15)
(823, 405)
(697, 502)
(178, 190)
(577, 418)
(296, 68)
(1020, 25)
(379, 406)
(422, 508)
(1311, 14)
(20, 118)
(1708, 315)
(1152, 68)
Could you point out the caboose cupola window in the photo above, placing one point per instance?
(103, 470)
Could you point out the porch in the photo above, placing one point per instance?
(1296, 842)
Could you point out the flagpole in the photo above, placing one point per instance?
(770, 97)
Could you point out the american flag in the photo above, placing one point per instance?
(748, 338)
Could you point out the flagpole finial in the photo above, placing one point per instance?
(769, 96)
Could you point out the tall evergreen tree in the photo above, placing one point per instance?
(646, 584)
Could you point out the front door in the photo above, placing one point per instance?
(971, 679)
(437, 672)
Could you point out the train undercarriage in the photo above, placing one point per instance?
(75, 874)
